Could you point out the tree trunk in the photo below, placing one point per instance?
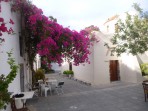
(70, 66)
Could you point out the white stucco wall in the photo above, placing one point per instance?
(56, 67)
(129, 66)
(11, 42)
(37, 63)
(101, 64)
(65, 66)
(85, 71)
(111, 26)
(98, 71)
(129, 69)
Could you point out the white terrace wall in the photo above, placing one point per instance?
(109, 27)
(101, 64)
(129, 66)
(98, 71)
(129, 69)
(56, 67)
(85, 71)
(11, 42)
(102, 57)
(65, 66)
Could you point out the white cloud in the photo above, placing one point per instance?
(81, 13)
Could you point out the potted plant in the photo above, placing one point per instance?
(68, 73)
(39, 75)
(144, 70)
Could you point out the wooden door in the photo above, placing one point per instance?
(114, 70)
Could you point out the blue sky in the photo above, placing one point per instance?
(79, 14)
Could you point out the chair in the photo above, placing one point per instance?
(40, 81)
(59, 87)
(45, 88)
(13, 106)
(145, 88)
(145, 81)
(35, 87)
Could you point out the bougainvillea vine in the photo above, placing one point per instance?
(3, 27)
(49, 39)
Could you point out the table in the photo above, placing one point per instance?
(146, 83)
(52, 81)
(27, 95)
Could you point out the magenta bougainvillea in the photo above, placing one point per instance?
(49, 39)
(54, 42)
(3, 27)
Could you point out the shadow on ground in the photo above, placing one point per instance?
(116, 96)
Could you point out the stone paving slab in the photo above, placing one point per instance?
(79, 97)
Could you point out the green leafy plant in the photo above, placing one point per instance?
(144, 68)
(6, 80)
(131, 34)
(47, 69)
(68, 72)
(39, 74)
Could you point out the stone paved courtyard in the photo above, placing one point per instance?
(117, 96)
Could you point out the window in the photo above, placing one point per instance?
(21, 46)
(107, 28)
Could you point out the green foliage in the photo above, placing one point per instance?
(6, 80)
(47, 69)
(131, 35)
(144, 68)
(68, 72)
(52, 18)
(39, 74)
(136, 7)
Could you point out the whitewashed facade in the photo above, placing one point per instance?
(99, 71)
(12, 41)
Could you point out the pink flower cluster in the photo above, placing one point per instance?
(54, 42)
(3, 27)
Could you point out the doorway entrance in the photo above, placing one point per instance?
(114, 70)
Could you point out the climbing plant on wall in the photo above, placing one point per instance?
(6, 80)
(49, 39)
